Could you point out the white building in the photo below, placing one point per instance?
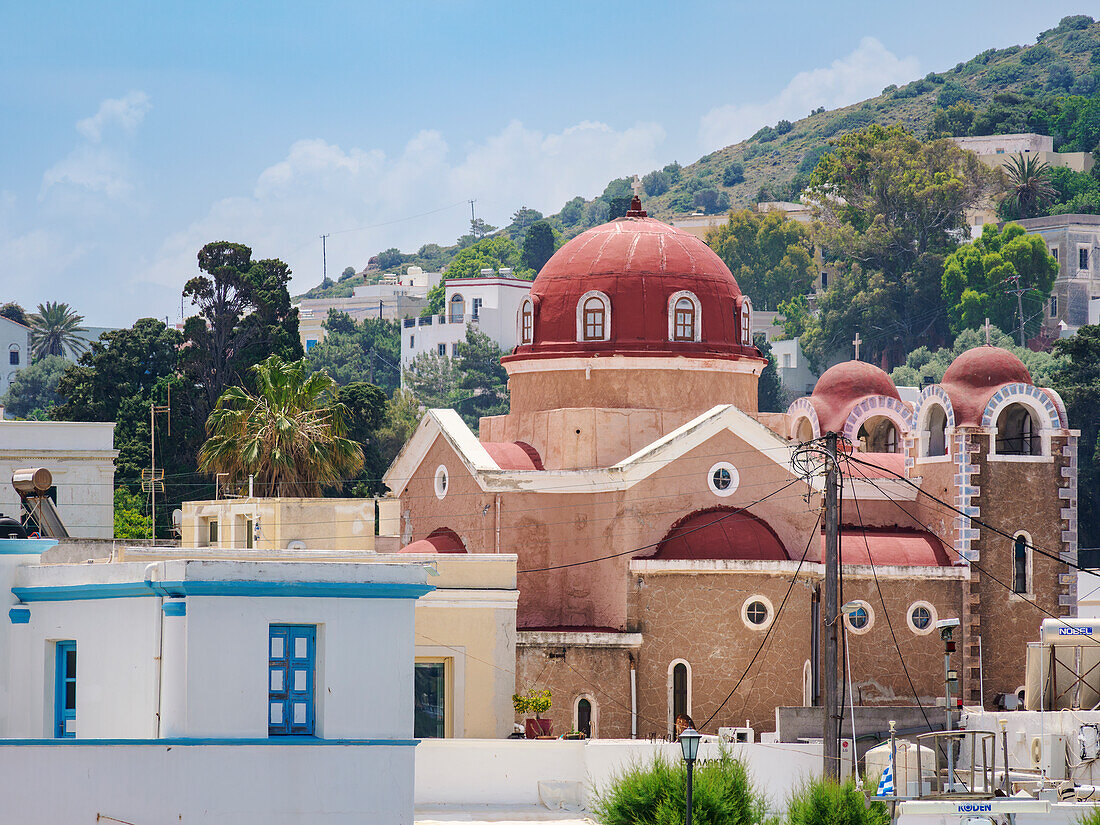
(81, 457)
(15, 344)
(490, 303)
(393, 297)
(217, 691)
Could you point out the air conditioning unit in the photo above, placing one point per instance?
(736, 736)
(1048, 754)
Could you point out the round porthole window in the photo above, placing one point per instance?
(441, 482)
(757, 612)
(723, 479)
(921, 618)
(861, 618)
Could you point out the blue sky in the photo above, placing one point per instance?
(131, 133)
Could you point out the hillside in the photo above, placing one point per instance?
(775, 161)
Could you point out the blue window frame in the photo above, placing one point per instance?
(65, 691)
(291, 666)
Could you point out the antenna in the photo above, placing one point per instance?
(324, 261)
(472, 218)
(155, 480)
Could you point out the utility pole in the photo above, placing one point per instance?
(831, 611)
(155, 480)
(324, 261)
(472, 219)
(1019, 293)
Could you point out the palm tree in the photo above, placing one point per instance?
(1029, 186)
(55, 329)
(290, 434)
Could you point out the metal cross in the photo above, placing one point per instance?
(857, 342)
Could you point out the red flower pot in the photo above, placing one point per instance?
(534, 728)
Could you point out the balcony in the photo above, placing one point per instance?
(409, 322)
(426, 321)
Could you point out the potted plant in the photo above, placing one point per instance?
(536, 702)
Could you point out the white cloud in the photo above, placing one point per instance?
(127, 111)
(861, 74)
(321, 187)
(93, 167)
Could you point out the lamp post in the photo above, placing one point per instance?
(689, 744)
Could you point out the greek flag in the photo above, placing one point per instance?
(886, 783)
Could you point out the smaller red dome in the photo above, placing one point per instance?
(976, 375)
(721, 534)
(843, 386)
(443, 540)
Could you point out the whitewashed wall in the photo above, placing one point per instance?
(508, 771)
(258, 784)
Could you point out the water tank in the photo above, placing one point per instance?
(878, 757)
(31, 481)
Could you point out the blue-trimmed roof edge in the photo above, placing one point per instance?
(179, 589)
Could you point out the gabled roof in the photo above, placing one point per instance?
(650, 459)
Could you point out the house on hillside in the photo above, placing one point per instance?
(15, 349)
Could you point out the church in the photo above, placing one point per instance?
(669, 543)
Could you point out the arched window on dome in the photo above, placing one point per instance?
(1017, 433)
(935, 431)
(458, 308)
(746, 322)
(878, 435)
(526, 322)
(594, 317)
(684, 317)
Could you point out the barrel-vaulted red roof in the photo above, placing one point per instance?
(638, 263)
(843, 386)
(975, 376)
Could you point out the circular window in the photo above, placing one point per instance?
(723, 479)
(441, 481)
(757, 612)
(860, 619)
(921, 618)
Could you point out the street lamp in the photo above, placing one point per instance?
(689, 744)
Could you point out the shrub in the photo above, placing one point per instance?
(1060, 77)
(1075, 22)
(733, 174)
(932, 77)
(783, 126)
(765, 135)
(657, 183)
(823, 803)
(810, 159)
(914, 89)
(1005, 73)
(654, 794)
(1036, 54)
(952, 93)
(893, 87)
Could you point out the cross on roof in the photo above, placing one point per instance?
(987, 329)
(857, 342)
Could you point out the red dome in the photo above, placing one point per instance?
(843, 386)
(638, 263)
(443, 540)
(976, 375)
(721, 534)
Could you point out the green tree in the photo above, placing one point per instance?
(367, 351)
(289, 432)
(479, 228)
(573, 211)
(349, 272)
(15, 312)
(711, 201)
(490, 253)
(656, 183)
(821, 802)
(436, 297)
(1029, 188)
(796, 314)
(116, 380)
(770, 394)
(367, 405)
(130, 519)
(522, 220)
(953, 121)
(432, 380)
(388, 259)
(482, 384)
(978, 277)
(768, 254)
(401, 418)
(538, 246)
(34, 389)
(55, 330)
(890, 207)
(1078, 382)
(244, 315)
